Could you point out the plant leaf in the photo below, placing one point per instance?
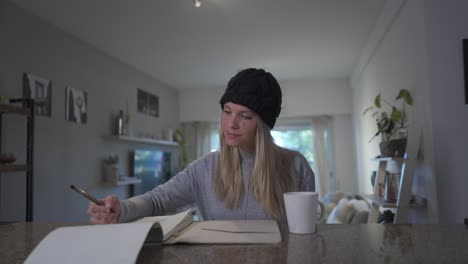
(367, 110)
(377, 101)
(405, 94)
(396, 115)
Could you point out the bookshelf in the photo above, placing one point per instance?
(405, 169)
(23, 107)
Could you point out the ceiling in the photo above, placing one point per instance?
(189, 48)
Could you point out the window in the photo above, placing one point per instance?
(311, 138)
(299, 138)
(214, 137)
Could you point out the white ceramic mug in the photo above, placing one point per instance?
(301, 211)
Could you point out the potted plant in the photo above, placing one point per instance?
(111, 169)
(391, 122)
(179, 138)
(386, 217)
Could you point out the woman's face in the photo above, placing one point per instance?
(239, 126)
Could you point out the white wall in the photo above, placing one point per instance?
(200, 105)
(343, 152)
(395, 58)
(67, 153)
(313, 98)
(300, 99)
(447, 24)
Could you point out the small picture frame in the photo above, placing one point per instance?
(39, 89)
(148, 103)
(76, 105)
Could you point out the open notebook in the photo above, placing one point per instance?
(121, 243)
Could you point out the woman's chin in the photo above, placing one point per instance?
(232, 143)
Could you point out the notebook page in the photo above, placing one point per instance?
(113, 243)
(230, 232)
(168, 223)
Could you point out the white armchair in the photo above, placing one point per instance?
(344, 208)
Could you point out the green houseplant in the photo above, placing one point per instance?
(391, 121)
(111, 169)
(386, 217)
(179, 138)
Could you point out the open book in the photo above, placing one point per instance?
(121, 243)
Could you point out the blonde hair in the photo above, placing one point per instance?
(272, 174)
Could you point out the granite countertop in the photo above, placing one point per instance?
(361, 243)
(17, 240)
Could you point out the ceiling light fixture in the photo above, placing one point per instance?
(197, 3)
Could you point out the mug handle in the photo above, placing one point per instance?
(322, 211)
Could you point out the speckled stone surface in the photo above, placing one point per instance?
(365, 243)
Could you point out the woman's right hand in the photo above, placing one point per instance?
(107, 214)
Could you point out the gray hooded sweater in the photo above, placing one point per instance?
(194, 186)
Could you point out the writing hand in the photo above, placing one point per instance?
(107, 214)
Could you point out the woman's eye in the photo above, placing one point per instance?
(226, 111)
(247, 117)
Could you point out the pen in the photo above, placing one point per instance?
(87, 195)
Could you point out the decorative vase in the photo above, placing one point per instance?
(393, 148)
(119, 123)
(373, 175)
(386, 217)
(111, 173)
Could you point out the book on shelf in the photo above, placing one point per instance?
(121, 243)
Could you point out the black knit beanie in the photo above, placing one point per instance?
(257, 90)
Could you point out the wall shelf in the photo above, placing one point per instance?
(380, 201)
(124, 181)
(13, 109)
(418, 202)
(129, 180)
(13, 167)
(398, 159)
(141, 140)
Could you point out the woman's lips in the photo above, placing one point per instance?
(232, 136)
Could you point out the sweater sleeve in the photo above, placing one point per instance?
(305, 173)
(180, 190)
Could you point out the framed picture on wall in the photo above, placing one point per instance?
(148, 103)
(76, 105)
(39, 89)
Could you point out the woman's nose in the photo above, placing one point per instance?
(233, 123)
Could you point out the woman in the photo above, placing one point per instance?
(246, 179)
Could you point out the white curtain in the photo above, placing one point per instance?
(198, 138)
(319, 148)
(324, 180)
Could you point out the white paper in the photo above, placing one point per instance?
(114, 243)
(230, 232)
(241, 226)
(121, 243)
(166, 226)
